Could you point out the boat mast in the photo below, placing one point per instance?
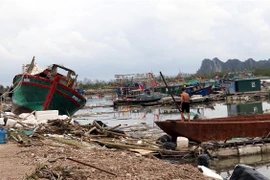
(31, 66)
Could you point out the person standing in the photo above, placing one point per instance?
(185, 104)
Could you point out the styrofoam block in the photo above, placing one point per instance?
(227, 152)
(26, 116)
(9, 113)
(45, 115)
(248, 150)
(30, 121)
(62, 117)
(2, 121)
(17, 125)
(182, 142)
(47, 112)
(11, 122)
(265, 148)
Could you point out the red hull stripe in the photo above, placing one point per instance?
(50, 81)
(47, 87)
(51, 93)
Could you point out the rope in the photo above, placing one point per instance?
(13, 90)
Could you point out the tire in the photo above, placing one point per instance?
(169, 145)
(164, 138)
(203, 160)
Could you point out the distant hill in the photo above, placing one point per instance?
(213, 66)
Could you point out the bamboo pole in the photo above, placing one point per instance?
(170, 92)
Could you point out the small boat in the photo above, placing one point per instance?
(218, 129)
(142, 99)
(191, 90)
(193, 99)
(169, 100)
(49, 89)
(198, 99)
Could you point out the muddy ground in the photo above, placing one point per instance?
(51, 159)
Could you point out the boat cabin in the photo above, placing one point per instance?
(67, 76)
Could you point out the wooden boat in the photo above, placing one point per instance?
(37, 89)
(193, 99)
(218, 129)
(143, 99)
(198, 99)
(191, 90)
(139, 100)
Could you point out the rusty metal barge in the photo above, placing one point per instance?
(218, 129)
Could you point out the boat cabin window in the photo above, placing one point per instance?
(68, 77)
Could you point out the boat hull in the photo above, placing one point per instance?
(218, 129)
(37, 93)
(203, 91)
(124, 102)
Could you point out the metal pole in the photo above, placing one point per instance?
(170, 92)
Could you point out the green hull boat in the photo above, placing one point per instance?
(46, 90)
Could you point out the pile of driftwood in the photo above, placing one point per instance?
(96, 132)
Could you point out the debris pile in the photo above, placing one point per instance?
(62, 149)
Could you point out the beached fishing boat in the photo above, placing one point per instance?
(49, 89)
(218, 129)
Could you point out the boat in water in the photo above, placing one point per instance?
(142, 99)
(204, 91)
(54, 88)
(218, 129)
(177, 99)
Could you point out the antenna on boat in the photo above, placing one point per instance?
(170, 92)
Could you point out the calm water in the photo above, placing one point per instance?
(147, 115)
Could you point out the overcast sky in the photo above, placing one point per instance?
(101, 38)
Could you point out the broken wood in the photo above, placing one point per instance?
(115, 133)
(113, 128)
(28, 115)
(92, 129)
(92, 166)
(98, 126)
(125, 146)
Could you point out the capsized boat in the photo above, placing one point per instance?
(49, 89)
(218, 129)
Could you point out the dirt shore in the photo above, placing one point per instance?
(54, 160)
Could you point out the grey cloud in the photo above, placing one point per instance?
(100, 38)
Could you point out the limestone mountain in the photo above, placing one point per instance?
(213, 66)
